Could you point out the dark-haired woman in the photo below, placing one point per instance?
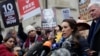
(7, 46)
(70, 38)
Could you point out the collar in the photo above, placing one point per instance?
(97, 19)
(69, 38)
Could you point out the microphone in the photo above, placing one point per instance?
(55, 46)
(34, 49)
(46, 48)
(61, 52)
(39, 48)
(66, 44)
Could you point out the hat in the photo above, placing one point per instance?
(29, 28)
(83, 26)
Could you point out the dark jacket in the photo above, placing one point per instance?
(5, 51)
(94, 36)
(21, 34)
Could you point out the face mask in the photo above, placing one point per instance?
(38, 32)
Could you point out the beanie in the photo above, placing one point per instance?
(29, 28)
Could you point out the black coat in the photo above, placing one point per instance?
(94, 36)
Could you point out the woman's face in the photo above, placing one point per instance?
(32, 33)
(66, 29)
(10, 43)
(14, 34)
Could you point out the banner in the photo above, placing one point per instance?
(48, 18)
(29, 8)
(82, 1)
(9, 13)
(66, 13)
(92, 1)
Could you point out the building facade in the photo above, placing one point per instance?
(58, 5)
(83, 9)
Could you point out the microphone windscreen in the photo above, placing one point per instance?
(61, 52)
(34, 48)
(66, 44)
(48, 44)
(45, 49)
(55, 46)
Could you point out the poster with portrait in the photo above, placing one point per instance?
(9, 13)
(48, 18)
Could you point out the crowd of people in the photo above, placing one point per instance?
(71, 38)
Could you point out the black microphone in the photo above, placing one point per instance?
(34, 49)
(46, 48)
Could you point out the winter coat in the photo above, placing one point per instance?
(4, 51)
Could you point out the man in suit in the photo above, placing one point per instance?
(94, 33)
